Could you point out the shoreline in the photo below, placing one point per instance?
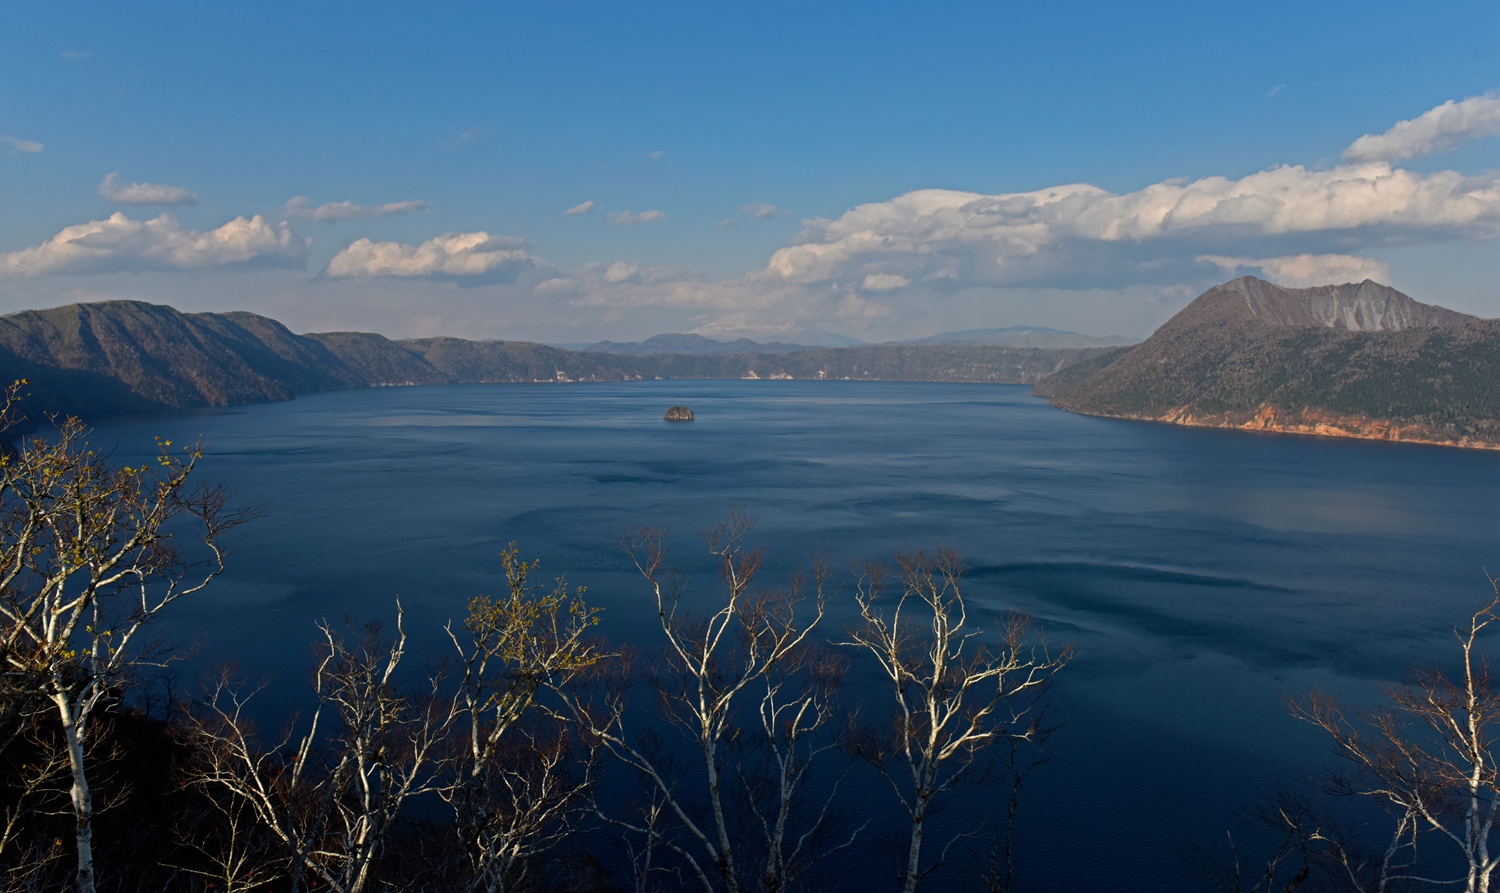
(1318, 423)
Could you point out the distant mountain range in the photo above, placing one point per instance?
(123, 357)
(689, 345)
(1357, 360)
(1023, 336)
(698, 345)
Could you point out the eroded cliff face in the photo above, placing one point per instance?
(1353, 307)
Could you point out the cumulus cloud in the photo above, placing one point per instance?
(1437, 130)
(628, 218)
(333, 212)
(884, 282)
(760, 210)
(926, 258)
(121, 244)
(620, 271)
(627, 285)
(1294, 224)
(1052, 235)
(19, 145)
(451, 255)
(1304, 270)
(144, 193)
(930, 253)
(585, 208)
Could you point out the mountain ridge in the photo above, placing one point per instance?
(694, 344)
(1022, 336)
(111, 358)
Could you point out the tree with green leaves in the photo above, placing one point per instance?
(90, 555)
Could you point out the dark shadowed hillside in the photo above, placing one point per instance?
(129, 356)
(1353, 360)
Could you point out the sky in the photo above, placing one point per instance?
(815, 172)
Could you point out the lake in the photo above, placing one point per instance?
(1203, 575)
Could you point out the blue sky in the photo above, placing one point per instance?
(784, 148)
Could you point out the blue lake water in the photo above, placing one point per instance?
(1203, 575)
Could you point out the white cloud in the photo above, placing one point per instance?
(76, 55)
(1293, 224)
(920, 261)
(622, 284)
(658, 155)
(884, 282)
(19, 145)
(620, 271)
(333, 212)
(1052, 235)
(1437, 130)
(121, 244)
(627, 218)
(1303, 270)
(585, 208)
(886, 267)
(144, 193)
(760, 210)
(454, 255)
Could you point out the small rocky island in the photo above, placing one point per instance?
(678, 414)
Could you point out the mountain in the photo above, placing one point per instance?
(1023, 336)
(689, 344)
(698, 345)
(123, 357)
(1354, 360)
(117, 357)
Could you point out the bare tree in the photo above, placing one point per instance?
(513, 790)
(332, 798)
(1430, 757)
(743, 669)
(1287, 818)
(87, 561)
(1025, 755)
(955, 693)
(236, 850)
(33, 766)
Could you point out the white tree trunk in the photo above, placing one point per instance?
(914, 852)
(83, 801)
